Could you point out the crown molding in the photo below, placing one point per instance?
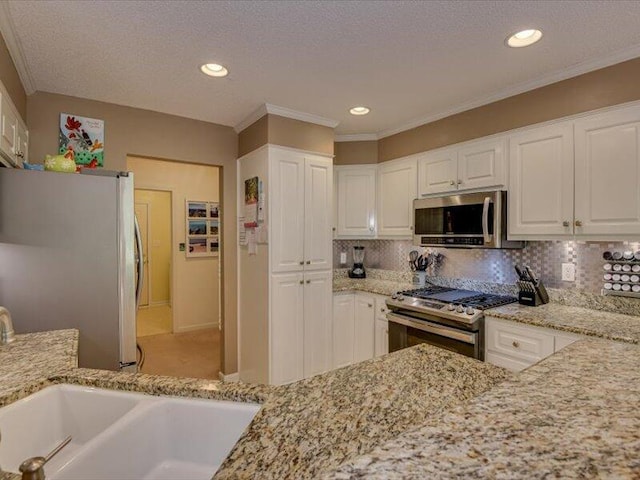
(557, 76)
(359, 137)
(253, 117)
(15, 48)
(302, 116)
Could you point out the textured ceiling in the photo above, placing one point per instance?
(405, 60)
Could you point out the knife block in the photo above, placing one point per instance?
(532, 294)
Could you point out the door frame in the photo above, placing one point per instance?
(146, 285)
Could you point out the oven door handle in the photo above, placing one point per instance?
(434, 328)
(485, 220)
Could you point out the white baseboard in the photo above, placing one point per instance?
(191, 328)
(232, 377)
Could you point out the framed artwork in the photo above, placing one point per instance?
(84, 137)
(202, 229)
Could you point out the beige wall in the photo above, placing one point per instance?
(11, 81)
(601, 88)
(195, 285)
(131, 131)
(158, 252)
(354, 153)
(286, 132)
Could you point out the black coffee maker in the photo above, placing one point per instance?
(358, 263)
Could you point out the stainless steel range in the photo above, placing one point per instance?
(446, 317)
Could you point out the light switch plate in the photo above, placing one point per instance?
(568, 272)
(343, 257)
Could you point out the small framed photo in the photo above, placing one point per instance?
(197, 227)
(197, 245)
(214, 245)
(214, 227)
(197, 210)
(214, 211)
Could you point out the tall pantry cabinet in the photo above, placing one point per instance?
(285, 333)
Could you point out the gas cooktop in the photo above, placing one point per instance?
(466, 298)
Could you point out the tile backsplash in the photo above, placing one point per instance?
(545, 258)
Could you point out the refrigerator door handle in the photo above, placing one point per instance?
(139, 262)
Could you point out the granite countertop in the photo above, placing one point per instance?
(574, 415)
(313, 425)
(370, 285)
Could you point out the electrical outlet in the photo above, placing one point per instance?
(568, 272)
(343, 257)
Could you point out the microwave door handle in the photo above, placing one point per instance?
(485, 220)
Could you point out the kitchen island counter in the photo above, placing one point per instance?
(573, 415)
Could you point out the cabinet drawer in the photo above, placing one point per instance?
(507, 362)
(520, 343)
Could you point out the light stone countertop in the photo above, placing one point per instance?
(573, 415)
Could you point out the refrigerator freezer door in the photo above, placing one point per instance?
(62, 248)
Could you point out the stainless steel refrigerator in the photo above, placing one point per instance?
(68, 259)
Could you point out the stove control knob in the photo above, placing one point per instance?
(469, 311)
(451, 307)
(400, 298)
(460, 309)
(394, 296)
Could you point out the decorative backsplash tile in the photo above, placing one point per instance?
(545, 258)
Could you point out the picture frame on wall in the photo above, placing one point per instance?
(202, 228)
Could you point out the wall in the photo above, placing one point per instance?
(286, 132)
(158, 251)
(195, 280)
(355, 153)
(601, 88)
(132, 131)
(545, 258)
(11, 81)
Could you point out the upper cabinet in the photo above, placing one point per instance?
(14, 137)
(540, 200)
(397, 188)
(356, 198)
(607, 179)
(578, 177)
(473, 165)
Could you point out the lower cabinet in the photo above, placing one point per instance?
(516, 346)
(364, 341)
(343, 330)
(300, 325)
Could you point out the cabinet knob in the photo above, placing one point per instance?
(370, 305)
(459, 182)
(451, 182)
(308, 262)
(308, 281)
(578, 223)
(382, 309)
(334, 229)
(301, 282)
(565, 223)
(301, 262)
(515, 344)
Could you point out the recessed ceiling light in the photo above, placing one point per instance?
(359, 111)
(214, 70)
(524, 38)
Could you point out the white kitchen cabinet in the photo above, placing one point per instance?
(301, 199)
(364, 314)
(607, 173)
(22, 144)
(14, 137)
(541, 172)
(472, 165)
(396, 189)
(287, 328)
(343, 329)
(317, 349)
(516, 346)
(382, 327)
(356, 198)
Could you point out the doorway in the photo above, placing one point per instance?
(153, 211)
(193, 345)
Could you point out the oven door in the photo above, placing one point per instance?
(406, 332)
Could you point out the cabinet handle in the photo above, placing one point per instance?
(308, 262)
(565, 223)
(459, 182)
(382, 309)
(301, 262)
(370, 305)
(578, 223)
(451, 182)
(301, 282)
(334, 229)
(308, 281)
(515, 344)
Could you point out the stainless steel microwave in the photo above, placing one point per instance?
(467, 220)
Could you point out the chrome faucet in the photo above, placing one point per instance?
(6, 327)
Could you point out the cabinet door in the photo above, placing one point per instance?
(607, 162)
(364, 343)
(286, 176)
(438, 172)
(317, 322)
(22, 144)
(343, 330)
(8, 129)
(482, 164)
(382, 337)
(287, 329)
(318, 186)
(540, 200)
(356, 201)
(397, 188)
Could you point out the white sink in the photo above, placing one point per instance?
(122, 435)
